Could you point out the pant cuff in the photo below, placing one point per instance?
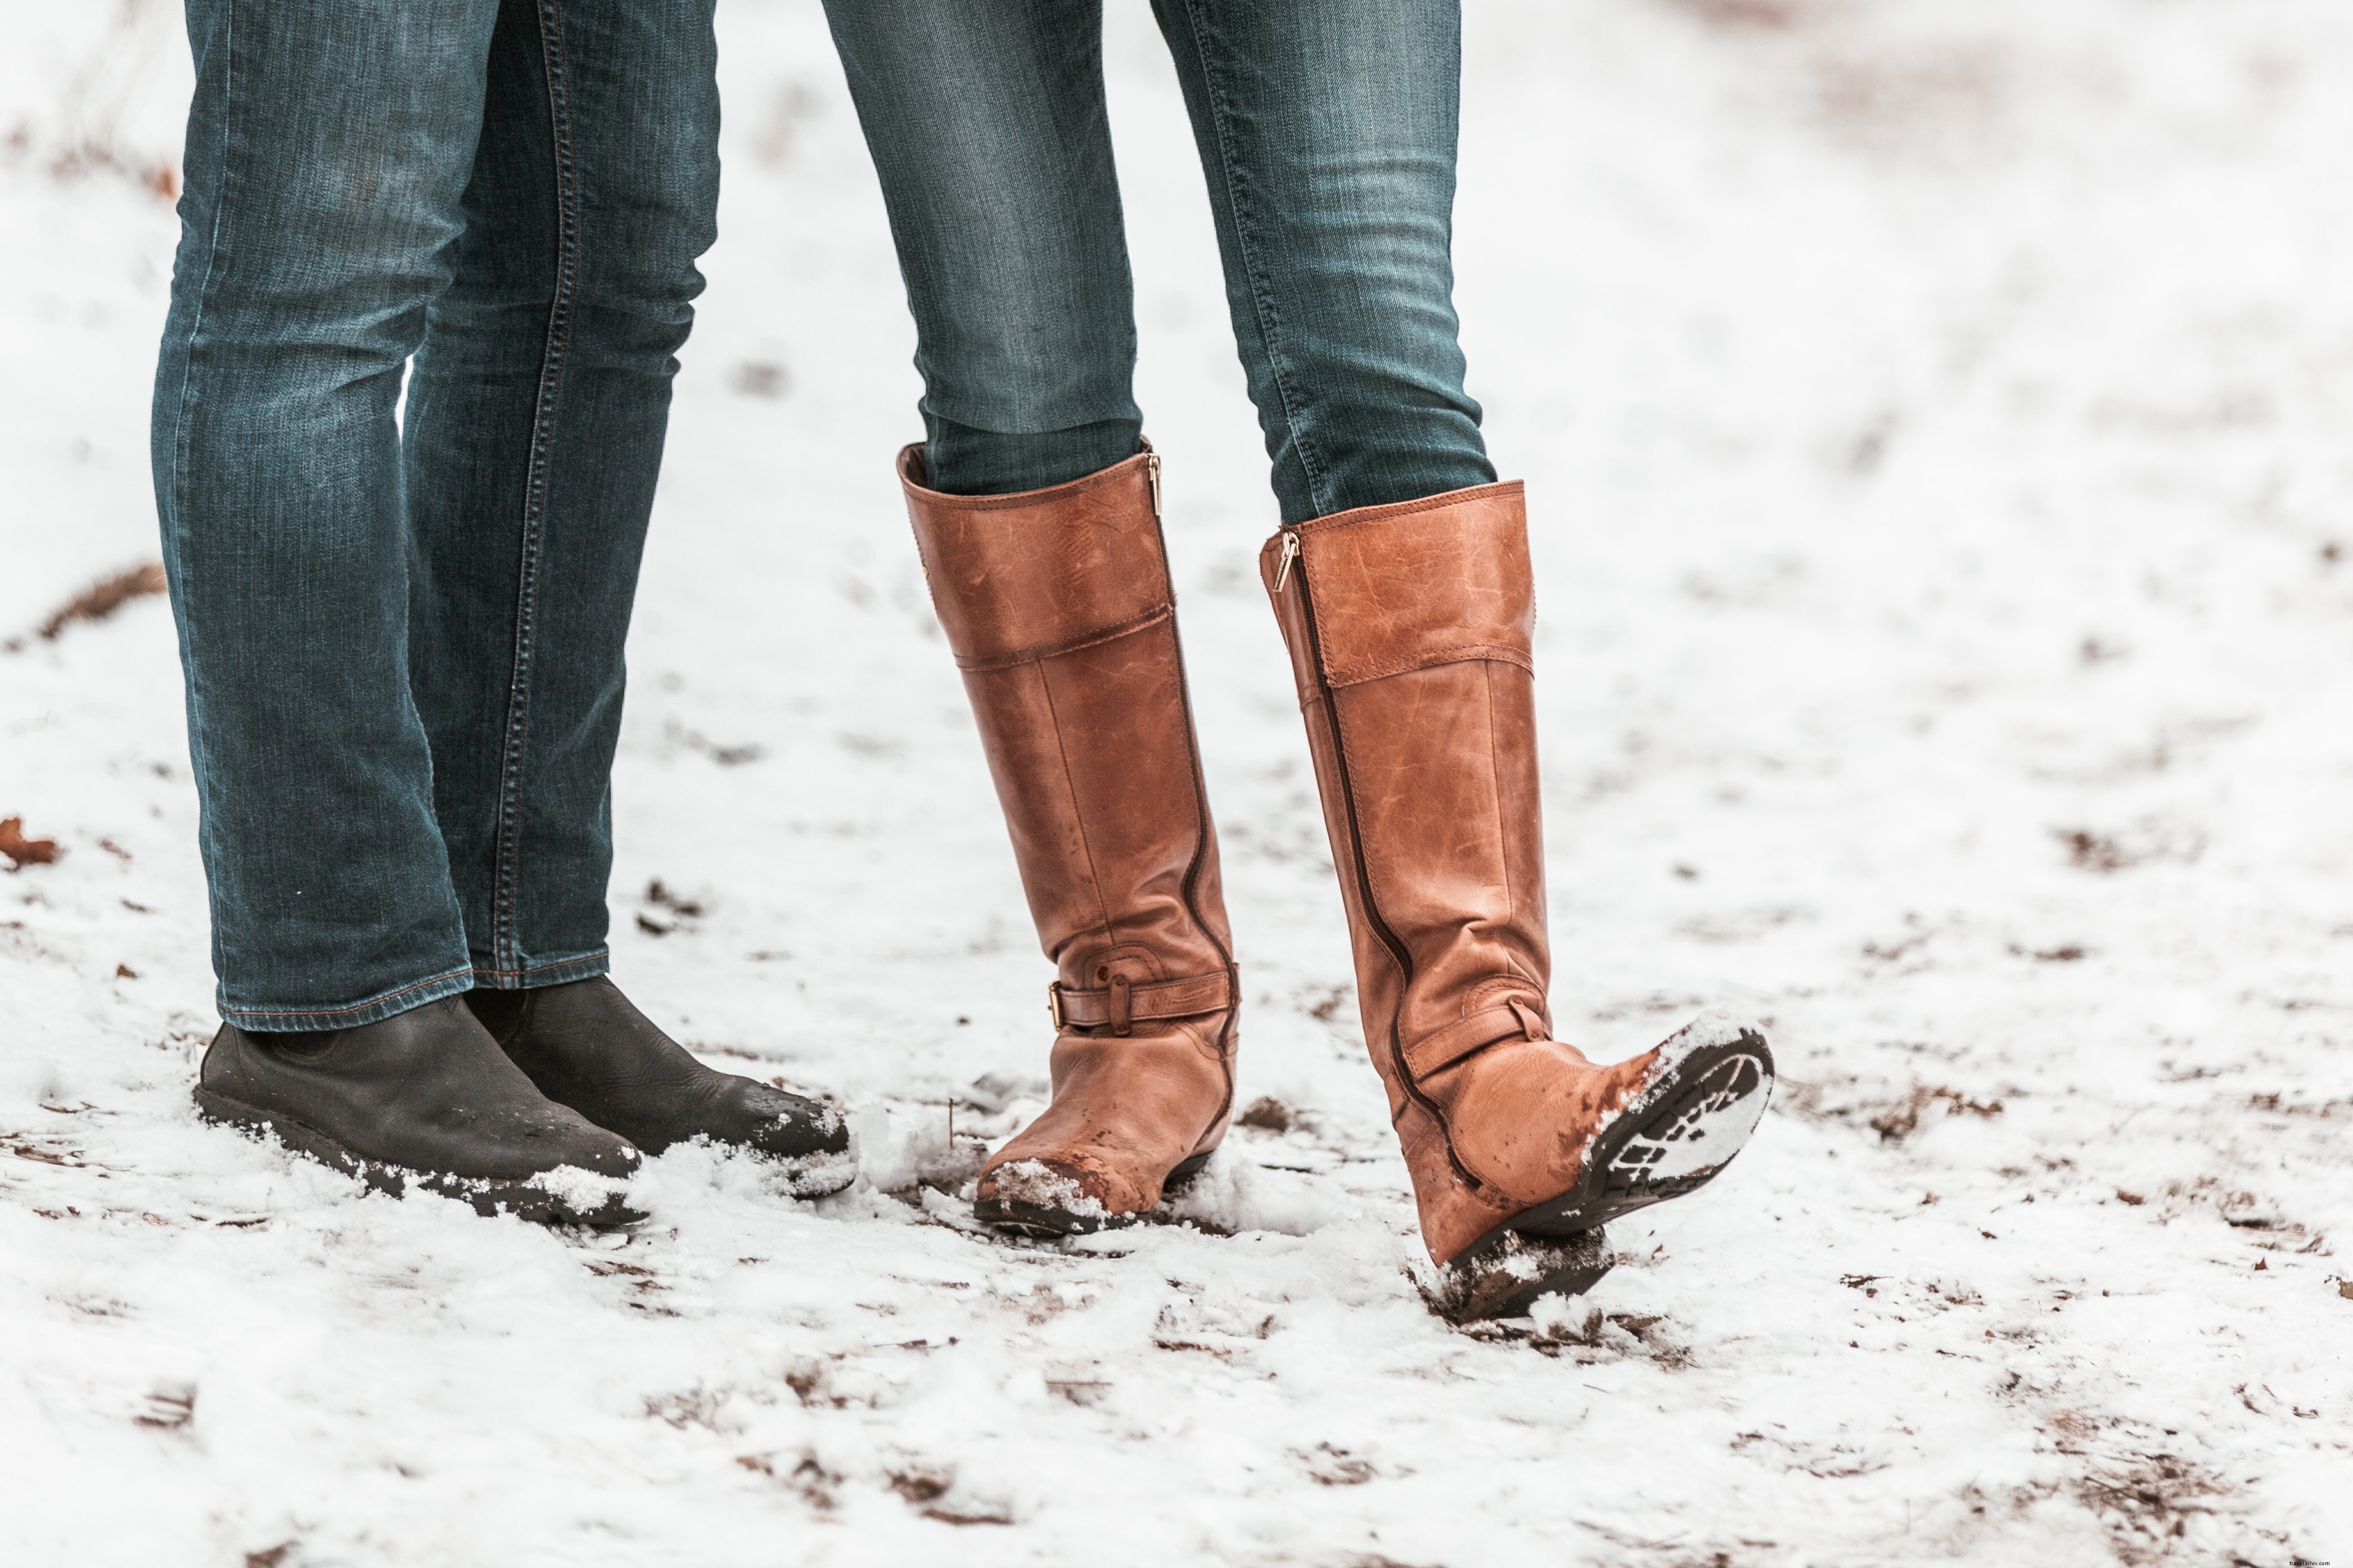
(375, 1009)
(547, 972)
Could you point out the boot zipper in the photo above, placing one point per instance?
(1290, 553)
(1152, 474)
(1388, 938)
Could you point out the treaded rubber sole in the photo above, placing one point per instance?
(1708, 1091)
(1042, 1219)
(487, 1196)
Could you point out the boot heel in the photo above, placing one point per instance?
(1187, 1169)
(1503, 1276)
(294, 1136)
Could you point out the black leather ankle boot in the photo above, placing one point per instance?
(425, 1097)
(587, 1047)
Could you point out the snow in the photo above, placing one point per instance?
(1935, 415)
(584, 1191)
(1037, 1183)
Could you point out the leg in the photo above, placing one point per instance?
(1410, 629)
(327, 148)
(1403, 587)
(986, 122)
(1327, 133)
(536, 416)
(1058, 608)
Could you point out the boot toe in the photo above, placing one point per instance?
(565, 1171)
(784, 1125)
(807, 1139)
(574, 1195)
(1058, 1195)
(602, 1153)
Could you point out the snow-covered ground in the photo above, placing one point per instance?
(1938, 417)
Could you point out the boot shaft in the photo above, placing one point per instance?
(1057, 606)
(1410, 629)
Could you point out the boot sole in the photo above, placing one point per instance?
(1041, 1219)
(1706, 1090)
(1503, 1278)
(489, 1196)
(809, 1176)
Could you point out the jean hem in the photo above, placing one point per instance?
(547, 972)
(375, 1010)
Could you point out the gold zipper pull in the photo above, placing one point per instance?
(1152, 473)
(1290, 553)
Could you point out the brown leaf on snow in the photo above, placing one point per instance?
(1768, 15)
(1268, 1114)
(21, 851)
(1900, 1122)
(2105, 854)
(103, 598)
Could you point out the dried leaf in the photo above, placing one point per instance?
(103, 598)
(21, 851)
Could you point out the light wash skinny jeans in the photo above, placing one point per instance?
(1327, 131)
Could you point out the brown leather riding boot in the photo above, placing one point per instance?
(1057, 605)
(1409, 629)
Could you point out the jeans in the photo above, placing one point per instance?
(402, 633)
(1327, 129)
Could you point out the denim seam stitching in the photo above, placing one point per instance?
(595, 955)
(1048, 495)
(1269, 321)
(355, 1007)
(504, 946)
(175, 536)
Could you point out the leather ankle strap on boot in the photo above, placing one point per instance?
(1443, 1048)
(1122, 1003)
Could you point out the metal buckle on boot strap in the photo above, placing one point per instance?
(1054, 1004)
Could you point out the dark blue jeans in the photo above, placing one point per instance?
(403, 633)
(1327, 128)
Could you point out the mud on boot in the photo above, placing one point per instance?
(1045, 1198)
(422, 1100)
(1410, 628)
(1504, 1278)
(1057, 607)
(1701, 1093)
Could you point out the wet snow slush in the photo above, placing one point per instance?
(1939, 420)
